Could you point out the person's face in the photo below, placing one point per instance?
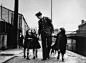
(29, 32)
(33, 31)
(39, 17)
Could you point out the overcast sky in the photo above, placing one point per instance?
(66, 13)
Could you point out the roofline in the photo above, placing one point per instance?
(25, 21)
(13, 11)
(9, 9)
(82, 24)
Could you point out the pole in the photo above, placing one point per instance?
(15, 23)
(1, 11)
(51, 10)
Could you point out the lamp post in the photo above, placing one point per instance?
(51, 10)
(15, 23)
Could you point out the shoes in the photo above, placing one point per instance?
(48, 57)
(58, 58)
(63, 60)
(34, 57)
(24, 56)
(43, 59)
(28, 59)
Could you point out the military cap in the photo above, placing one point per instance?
(38, 14)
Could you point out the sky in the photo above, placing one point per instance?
(65, 13)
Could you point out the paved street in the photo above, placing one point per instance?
(16, 56)
(62, 21)
(70, 57)
(8, 54)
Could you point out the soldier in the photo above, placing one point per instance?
(45, 30)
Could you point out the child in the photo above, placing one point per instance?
(35, 44)
(28, 39)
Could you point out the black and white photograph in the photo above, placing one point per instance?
(42, 31)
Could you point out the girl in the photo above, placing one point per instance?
(35, 44)
(28, 40)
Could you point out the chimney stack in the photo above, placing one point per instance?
(82, 21)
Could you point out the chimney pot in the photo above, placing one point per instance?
(82, 21)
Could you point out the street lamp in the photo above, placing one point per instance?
(51, 9)
(15, 23)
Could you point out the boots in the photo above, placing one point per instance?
(28, 54)
(58, 55)
(24, 52)
(34, 53)
(62, 57)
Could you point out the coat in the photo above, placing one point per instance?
(28, 40)
(45, 27)
(34, 44)
(62, 41)
(55, 46)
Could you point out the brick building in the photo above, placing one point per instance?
(82, 28)
(81, 38)
(7, 28)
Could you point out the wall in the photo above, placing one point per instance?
(8, 25)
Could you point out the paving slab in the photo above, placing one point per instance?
(8, 54)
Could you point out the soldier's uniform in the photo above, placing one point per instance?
(46, 29)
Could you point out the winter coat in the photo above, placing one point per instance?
(55, 46)
(62, 41)
(34, 44)
(28, 40)
(45, 27)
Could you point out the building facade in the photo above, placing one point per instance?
(82, 28)
(81, 38)
(78, 40)
(7, 28)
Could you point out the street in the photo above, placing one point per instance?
(70, 57)
(62, 21)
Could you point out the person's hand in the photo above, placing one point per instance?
(53, 34)
(37, 35)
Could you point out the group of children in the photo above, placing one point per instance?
(31, 42)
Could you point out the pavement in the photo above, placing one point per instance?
(9, 54)
(70, 57)
(16, 56)
(6, 55)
